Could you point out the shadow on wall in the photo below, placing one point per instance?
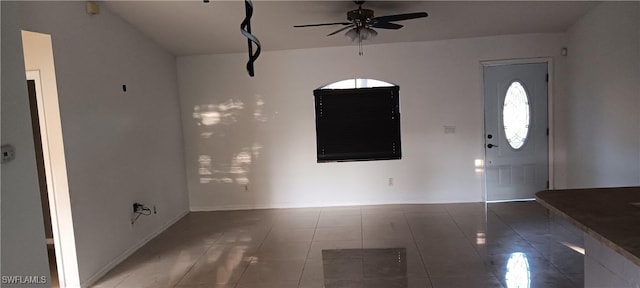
(233, 121)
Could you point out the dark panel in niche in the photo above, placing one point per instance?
(358, 124)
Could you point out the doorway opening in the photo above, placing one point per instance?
(50, 157)
(34, 88)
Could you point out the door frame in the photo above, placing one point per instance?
(64, 236)
(550, 112)
(51, 192)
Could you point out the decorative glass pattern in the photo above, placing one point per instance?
(515, 115)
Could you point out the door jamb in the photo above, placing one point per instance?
(35, 76)
(550, 111)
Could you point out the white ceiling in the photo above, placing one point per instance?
(194, 27)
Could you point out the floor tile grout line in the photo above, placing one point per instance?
(470, 241)
(266, 235)
(424, 266)
(196, 261)
(361, 230)
(524, 238)
(251, 259)
(243, 271)
(304, 265)
(361, 242)
(534, 248)
(123, 279)
(548, 222)
(186, 272)
(362, 226)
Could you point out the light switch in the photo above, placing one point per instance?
(8, 153)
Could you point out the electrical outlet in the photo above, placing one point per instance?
(449, 129)
(390, 181)
(8, 153)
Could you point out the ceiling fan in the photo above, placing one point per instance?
(362, 21)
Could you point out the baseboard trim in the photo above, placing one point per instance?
(515, 200)
(131, 250)
(311, 205)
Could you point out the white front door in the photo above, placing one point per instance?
(516, 131)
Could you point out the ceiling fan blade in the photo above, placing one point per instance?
(386, 25)
(400, 17)
(323, 24)
(341, 29)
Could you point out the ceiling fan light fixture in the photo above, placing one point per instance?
(352, 34)
(367, 33)
(364, 33)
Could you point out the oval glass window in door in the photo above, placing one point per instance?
(515, 115)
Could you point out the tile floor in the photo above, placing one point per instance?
(403, 246)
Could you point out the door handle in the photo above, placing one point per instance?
(491, 146)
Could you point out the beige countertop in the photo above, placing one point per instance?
(607, 214)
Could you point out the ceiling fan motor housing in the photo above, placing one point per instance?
(361, 17)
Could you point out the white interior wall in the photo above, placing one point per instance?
(266, 141)
(602, 118)
(23, 243)
(121, 147)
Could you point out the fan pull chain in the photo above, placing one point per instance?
(360, 44)
(245, 28)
